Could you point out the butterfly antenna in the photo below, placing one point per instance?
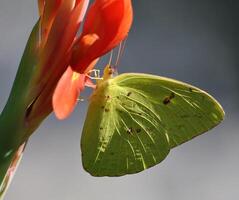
(118, 55)
(120, 52)
(111, 57)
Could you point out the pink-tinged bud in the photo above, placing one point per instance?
(47, 10)
(54, 53)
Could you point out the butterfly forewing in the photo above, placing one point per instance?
(185, 110)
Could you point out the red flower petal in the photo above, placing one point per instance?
(54, 57)
(66, 93)
(107, 24)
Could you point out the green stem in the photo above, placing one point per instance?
(13, 130)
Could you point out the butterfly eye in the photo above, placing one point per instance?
(111, 70)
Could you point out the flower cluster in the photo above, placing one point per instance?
(65, 56)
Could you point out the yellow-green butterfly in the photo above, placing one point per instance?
(134, 120)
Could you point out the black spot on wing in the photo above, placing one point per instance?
(129, 94)
(107, 110)
(168, 99)
(138, 130)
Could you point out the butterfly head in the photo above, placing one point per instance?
(109, 72)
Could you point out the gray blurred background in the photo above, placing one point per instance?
(189, 40)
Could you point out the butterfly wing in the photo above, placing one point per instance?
(135, 119)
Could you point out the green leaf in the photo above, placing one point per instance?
(135, 119)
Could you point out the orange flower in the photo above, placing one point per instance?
(61, 59)
(106, 25)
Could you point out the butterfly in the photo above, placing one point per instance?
(134, 120)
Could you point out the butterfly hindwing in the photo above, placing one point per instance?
(185, 110)
(121, 136)
(134, 119)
